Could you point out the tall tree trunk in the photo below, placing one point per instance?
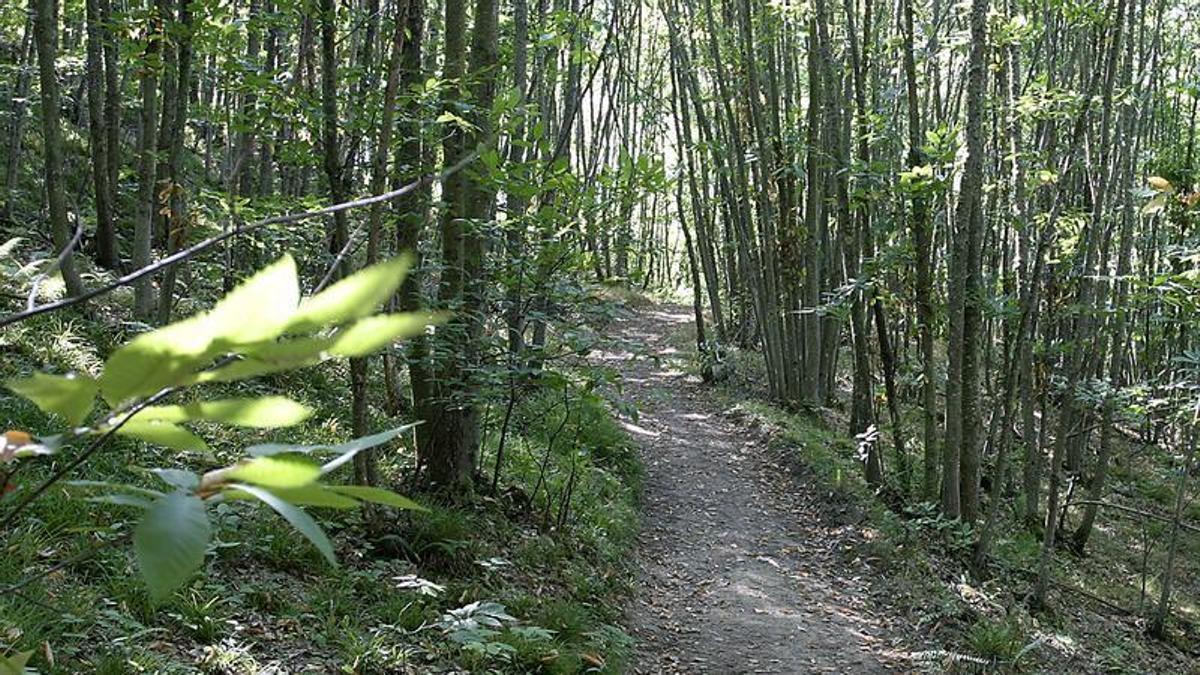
(106, 245)
(960, 463)
(365, 468)
(112, 107)
(16, 128)
(453, 441)
(177, 218)
(923, 286)
(143, 292)
(330, 140)
(45, 36)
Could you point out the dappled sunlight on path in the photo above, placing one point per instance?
(736, 577)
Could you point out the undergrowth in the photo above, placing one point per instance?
(509, 582)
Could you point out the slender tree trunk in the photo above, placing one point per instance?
(45, 36)
(143, 292)
(177, 219)
(16, 128)
(106, 249)
(112, 108)
(920, 227)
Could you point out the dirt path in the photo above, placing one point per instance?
(740, 571)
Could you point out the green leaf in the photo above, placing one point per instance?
(278, 471)
(354, 297)
(69, 396)
(308, 495)
(377, 495)
(260, 308)
(158, 359)
(266, 412)
(256, 311)
(170, 542)
(375, 332)
(14, 664)
(297, 517)
(164, 434)
(268, 449)
(184, 480)
(121, 500)
(271, 357)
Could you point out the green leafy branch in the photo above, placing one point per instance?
(259, 328)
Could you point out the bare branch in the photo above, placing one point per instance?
(58, 263)
(199, 248)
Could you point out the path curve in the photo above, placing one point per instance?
(739, 570)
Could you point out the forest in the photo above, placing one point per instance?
(599, 336)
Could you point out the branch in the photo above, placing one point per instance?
(199, 248)
(83, 457)
(58, 263)
(1136, 512)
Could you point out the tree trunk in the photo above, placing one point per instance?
(177, 219)
(106, 245)
(45, 36)
(16, 129)
(143, 292)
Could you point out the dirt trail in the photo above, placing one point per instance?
(740, 570)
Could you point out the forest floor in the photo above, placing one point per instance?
(743, 565)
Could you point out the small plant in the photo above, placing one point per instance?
(997, 640)
(204, 617)
(478, 627)
(14, 664)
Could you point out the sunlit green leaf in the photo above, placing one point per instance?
(163, 433)
(271, 357)
(268, 449)
(170, 542)
(276, 471)
(376, 332)
(377, 495)
(297, 517)
(354, 297)
(256, 311)
(308, 495)
(69, 396)
(265, 412)
(155, 360)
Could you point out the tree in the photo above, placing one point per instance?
(45, 37)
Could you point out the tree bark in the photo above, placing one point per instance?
(45, 37)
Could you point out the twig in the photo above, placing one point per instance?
(83, 457)
(196, 249)
(1090, 596)
(34, 601)
(1136, 512)
(58, 263)
(351, 245)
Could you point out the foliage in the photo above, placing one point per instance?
(174, 532)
